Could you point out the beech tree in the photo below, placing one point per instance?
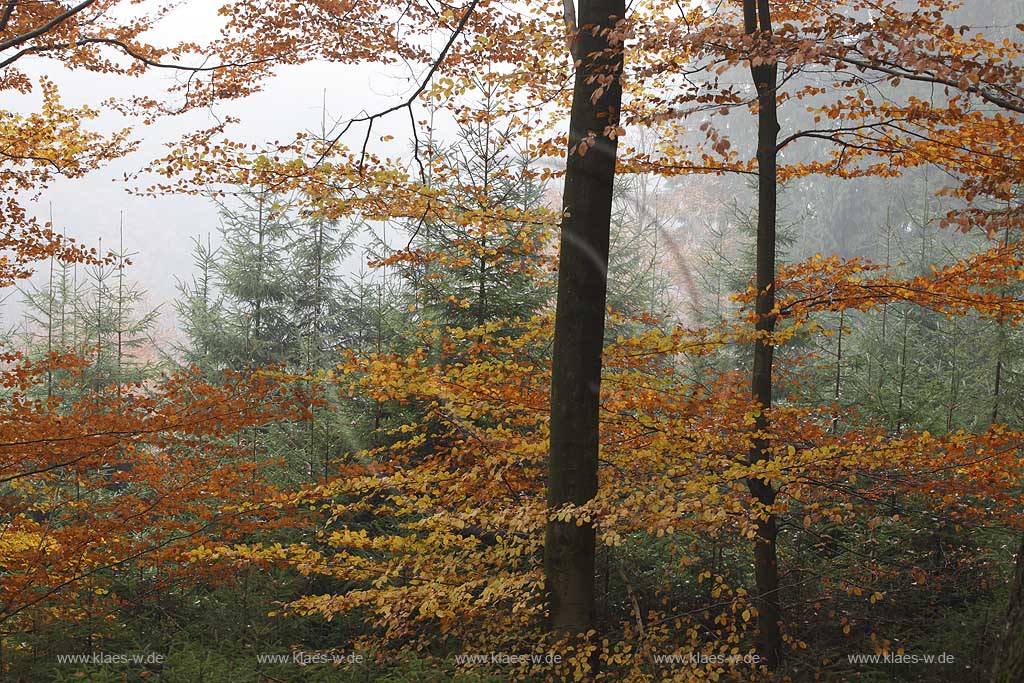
(757, 21)
(580, 310)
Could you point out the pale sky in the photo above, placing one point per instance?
(159, 229)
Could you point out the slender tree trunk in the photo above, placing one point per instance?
(579, 317)
(49, 324)
(314, 360)
(481, 309)
(903, 372)
(119, 330)
(1000, 346)
(261, 291)
(884, 339)
(1009, 664)
(953, 378)
(839, 370)
(757, 21)
(995, 390)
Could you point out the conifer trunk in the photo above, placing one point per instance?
(579, 317)
(757, 20)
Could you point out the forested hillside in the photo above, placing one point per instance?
(647, 342)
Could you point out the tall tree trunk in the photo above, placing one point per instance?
(757, 21)
(1009, 666)
(579, 317)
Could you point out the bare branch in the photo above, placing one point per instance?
(924, 77)
(407, 104)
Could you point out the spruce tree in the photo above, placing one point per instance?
(101, 317)
(639, 284)
(252, 273)
(484, 249)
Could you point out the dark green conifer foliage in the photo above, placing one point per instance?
(97, 312)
